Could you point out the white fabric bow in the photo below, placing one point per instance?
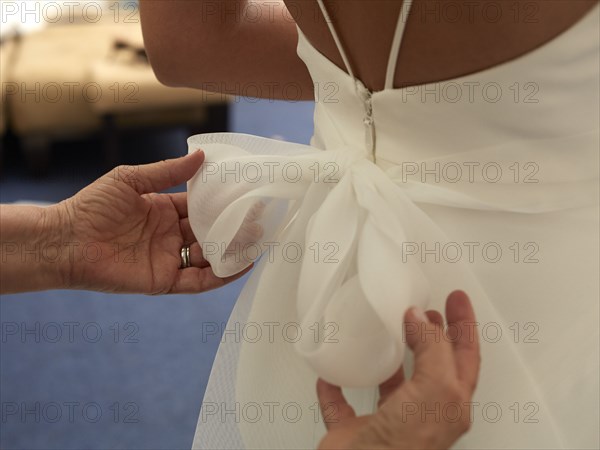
(242, 204)
(344, 226)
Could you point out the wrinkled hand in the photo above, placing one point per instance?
(444, 379)
(125, 237)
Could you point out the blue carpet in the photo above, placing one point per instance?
(83, 370)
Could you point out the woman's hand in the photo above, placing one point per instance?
(444, 379)
(127, 238)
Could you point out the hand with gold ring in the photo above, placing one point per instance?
(121, 233)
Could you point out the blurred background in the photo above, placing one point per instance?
(81, 370)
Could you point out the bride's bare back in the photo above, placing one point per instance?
(192, 45)
(443, 39)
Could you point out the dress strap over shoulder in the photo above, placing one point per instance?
(396, 43)
(336, 38)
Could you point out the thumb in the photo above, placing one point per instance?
(157, 177)
(433, 353)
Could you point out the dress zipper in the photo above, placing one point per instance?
(369, 125)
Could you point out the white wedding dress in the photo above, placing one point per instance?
(486, 183)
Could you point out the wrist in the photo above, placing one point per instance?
(31, 248)
(58, 240)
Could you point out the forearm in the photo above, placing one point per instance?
(226, 46)
(32, 255)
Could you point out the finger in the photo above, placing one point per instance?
(194, 279)
(196, 256)
(390, 385)
(334, 407)
(180, 202)
(186, 231)
(435, 317)
(434, 357)
(161, 175)
(461, 318)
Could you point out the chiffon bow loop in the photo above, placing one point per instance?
(336, 211)
(353, 294)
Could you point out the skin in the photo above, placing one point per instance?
(116, 235)
(222, 53)
(190, 46)
(445, 373)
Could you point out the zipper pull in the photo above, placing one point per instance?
(370, 127)
(368, 120)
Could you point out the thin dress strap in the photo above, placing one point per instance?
(396, 43)
(336, 38)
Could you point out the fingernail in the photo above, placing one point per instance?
(458, 302)
(419, 314)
